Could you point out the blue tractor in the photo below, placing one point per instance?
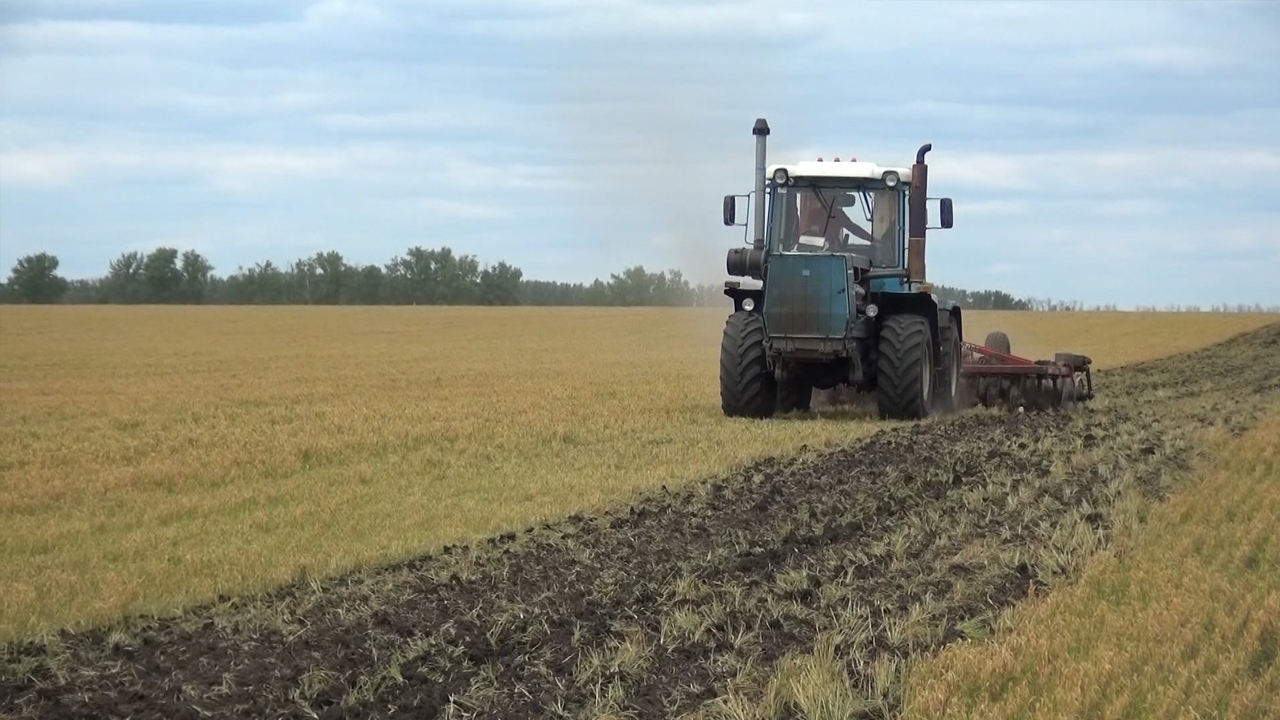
(838, 250)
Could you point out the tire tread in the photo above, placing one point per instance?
(747, 386)
(903, 342)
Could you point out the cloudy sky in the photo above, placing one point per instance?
(1104, 152)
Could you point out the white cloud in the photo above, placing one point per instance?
(40, 169)
(344, 13)
(605, 131)
(460, 209)
(1159, 57)
(992, 208)
(1108, 171)
(422, 120)
(251, 170)
(637, 18)
(111, 37)
(245, 167)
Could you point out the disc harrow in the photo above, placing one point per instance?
(998, 378)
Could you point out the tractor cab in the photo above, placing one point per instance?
(856, 209)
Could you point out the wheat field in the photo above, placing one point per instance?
(1179, 621)
(152, 457)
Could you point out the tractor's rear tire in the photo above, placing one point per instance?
(998, 341)
(950, 394)
(747, 385)
(794, 394)
(904, 369)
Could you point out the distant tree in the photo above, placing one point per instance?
(331, 273)
(302, 282)
(708, 294)
(196, 271)
(672, 289)
(124, 282)
(500, 285)
(35, 279)
(597, 293)
(269, 283)
(84, 292)
(997, 300)
(262, 284)
(365, 286)
(457, 277)
(162, 278)
(634, 286)
(411, 279)
(548, 292)
(982, 299)
(430, 277)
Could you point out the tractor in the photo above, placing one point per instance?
(838, 250)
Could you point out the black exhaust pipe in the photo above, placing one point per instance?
(761, 131)
(918, 216)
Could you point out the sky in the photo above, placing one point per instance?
(1103, 152)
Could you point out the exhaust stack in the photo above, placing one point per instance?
(761, 131)
(918, 216)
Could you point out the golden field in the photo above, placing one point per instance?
(155, 456)
(1181, 621)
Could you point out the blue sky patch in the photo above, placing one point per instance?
(1103, 152)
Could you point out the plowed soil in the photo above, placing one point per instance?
(894, 546)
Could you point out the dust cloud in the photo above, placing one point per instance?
(652, 147)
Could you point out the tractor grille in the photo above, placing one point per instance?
(807, 296)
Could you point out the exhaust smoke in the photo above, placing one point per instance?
(653, 145)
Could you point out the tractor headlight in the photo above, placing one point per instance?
(780, 176)
(748, 304)
(891, 179)
(872, 310)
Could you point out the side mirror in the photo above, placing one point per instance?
(730, 210)
(944, 212)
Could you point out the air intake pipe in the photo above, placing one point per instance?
(745, 262)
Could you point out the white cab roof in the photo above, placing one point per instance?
(852, 170)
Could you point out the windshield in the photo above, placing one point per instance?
(854, 220)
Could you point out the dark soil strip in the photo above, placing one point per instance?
(897, 545)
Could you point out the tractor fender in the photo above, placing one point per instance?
(955, 316)
(891, 304)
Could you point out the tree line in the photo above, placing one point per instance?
(421, 276)
(981, 299)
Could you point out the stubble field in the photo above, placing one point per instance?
(154, 457)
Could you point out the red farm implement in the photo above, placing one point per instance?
(997, 378)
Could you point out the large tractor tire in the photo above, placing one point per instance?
(747, 385)
(794, 394)
(998, 341)
(904, 371)
(949, 396)
(991, 389)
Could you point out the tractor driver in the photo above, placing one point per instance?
(819, 223)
